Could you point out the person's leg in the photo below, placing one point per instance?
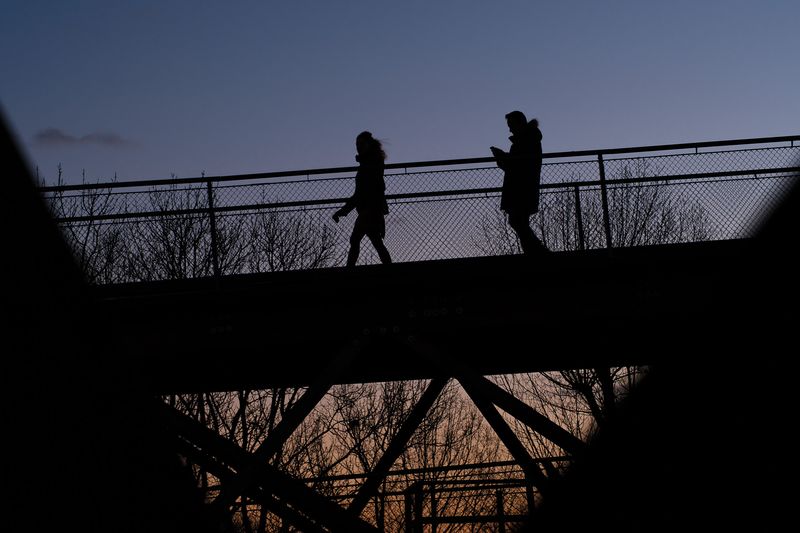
(527, 239)
(376, 230)
(377, 242)
(355, 241)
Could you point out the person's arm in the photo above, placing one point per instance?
(343, 211)
(500, 156)
(348, 206)
(520, 160)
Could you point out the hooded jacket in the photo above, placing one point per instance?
(522, 166)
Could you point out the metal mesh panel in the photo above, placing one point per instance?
(700, 162)
(123, 233)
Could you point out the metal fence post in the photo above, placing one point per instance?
(529, 497)
(418, 502)
(501, 514)
(409, 517)
(433, 509)
(579, 219)
(213, 223)
(382, 510)
(604, 199)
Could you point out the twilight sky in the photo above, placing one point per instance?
(147, 88)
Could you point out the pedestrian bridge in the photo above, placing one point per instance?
(233, 282)
(673, 256)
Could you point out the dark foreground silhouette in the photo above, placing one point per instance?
(704, 445)
(81, 449)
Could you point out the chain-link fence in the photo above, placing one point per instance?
(184, 228)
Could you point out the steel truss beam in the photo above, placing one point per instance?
(288, 497)
(226, 475)
(397, 445)
(527, 415)
(289, 423)
(487, 396)
(532, 470)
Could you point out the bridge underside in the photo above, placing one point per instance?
(422, 320)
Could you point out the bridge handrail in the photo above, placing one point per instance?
(792, 139)
(592, 197)
(430, 194)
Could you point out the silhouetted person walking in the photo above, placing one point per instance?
(522, 165)
(369, 199)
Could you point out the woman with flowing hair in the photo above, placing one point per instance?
(369, 199)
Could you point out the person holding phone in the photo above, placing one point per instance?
(522, 166)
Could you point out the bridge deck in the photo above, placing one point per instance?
(418, 320)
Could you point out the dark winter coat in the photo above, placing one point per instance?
(370, 193)
(522, 165)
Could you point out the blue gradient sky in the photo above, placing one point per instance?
(148, 88)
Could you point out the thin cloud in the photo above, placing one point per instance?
(57, 137)
(53, 136)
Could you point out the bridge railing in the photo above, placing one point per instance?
(445, 498)
(218, 225)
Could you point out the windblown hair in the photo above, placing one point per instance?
(374, 144)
